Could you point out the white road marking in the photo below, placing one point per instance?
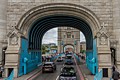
(63, 65)
(57, 77)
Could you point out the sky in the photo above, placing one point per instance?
(51, 36)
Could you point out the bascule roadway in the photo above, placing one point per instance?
(55, 75)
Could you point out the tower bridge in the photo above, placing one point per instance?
(23, 24)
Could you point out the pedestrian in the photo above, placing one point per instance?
(113, 68)
(1, 71)
(115, 75)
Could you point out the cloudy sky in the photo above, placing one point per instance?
(51, 36)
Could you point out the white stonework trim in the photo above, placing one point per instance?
(58, 8)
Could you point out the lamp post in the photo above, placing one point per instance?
(62, 43)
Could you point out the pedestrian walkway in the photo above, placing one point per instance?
(33, 73)
(87, 74)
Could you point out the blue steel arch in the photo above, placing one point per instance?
(42, 25)
(29, 60)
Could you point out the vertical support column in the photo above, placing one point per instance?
(62, 49)
(75, 49)
(59, 47)
(104, 53)
(95, 56)
(3, 18)
(78, 46)
(6, 70)
(59, 40)
(25, 65)
(116, 29)
(15, 71)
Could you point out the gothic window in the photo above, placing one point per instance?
(68, 34)
(64, 36)
(72, 36)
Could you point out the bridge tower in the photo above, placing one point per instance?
(68, 39)
(3, 28)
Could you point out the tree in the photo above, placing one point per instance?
(82, 51)
(55, 47)
(44, 49)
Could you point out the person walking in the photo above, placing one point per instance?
(113, 68)
(115, 75)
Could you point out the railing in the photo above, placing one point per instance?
(11, 76)
(54, 58)
(33, 64)
(99, 75)
(78, 59)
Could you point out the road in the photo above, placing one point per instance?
(55, 75)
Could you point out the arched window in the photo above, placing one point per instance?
(72, 36)
(68, 34)
(64, 36)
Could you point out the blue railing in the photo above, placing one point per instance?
(92, 59)
(54, 58)
(33, 64)
(99, 75)
(11, 76)
(29, 60)
(78, 59)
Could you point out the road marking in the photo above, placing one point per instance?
(63, 65)
(38, 73)
(80, 73)
(32, 77)
(57, 77)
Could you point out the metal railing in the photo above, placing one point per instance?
(11, 77)
(99, 75)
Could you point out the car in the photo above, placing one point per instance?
(63, 56)
(69, 56)
(69, 53)
(68, 73)
(59, 59)
(48, 66)
(68, 61)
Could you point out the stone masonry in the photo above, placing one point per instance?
(63, 39)
(107, 11)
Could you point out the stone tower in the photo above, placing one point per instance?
(3, 27)
(68, 39)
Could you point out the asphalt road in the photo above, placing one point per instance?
(55, 75)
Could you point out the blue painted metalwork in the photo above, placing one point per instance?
(54, 58)
(78, 59)
(92, 59)
(11, 76)
(43, 24)
(89, 60)
(99, 75)
(28, 60)
(95, 56)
